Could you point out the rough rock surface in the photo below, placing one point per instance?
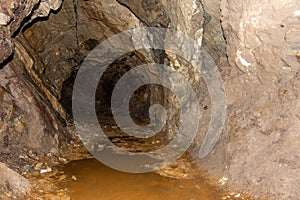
(213, 37)
(55, 61)
(28, 123)
(11, 183)
(13, 16)
(260, 147)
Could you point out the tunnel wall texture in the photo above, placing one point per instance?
(260, 147)
(255, 45)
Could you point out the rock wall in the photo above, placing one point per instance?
(255, 44)
(260, 147)
(55, 61)
(28, 122)
(13, 16)
(14, 184)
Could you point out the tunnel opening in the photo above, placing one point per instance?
(139, 104)
(140, 100)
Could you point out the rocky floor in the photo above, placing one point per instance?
(48, 179)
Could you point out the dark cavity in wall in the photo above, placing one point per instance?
(139, 103)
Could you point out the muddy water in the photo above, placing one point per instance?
(94, 181)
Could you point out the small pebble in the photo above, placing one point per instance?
(38, 166)
(49, 155)
(63, 160)
(48, 169)
(74, 178)
(237, 195)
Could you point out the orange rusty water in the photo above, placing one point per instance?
(94, 181)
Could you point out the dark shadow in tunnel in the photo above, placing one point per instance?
(139, 104)
(140, 99)
(66, 93)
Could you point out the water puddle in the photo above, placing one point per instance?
(95, 181)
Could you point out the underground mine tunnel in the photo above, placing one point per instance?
(228, 84)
